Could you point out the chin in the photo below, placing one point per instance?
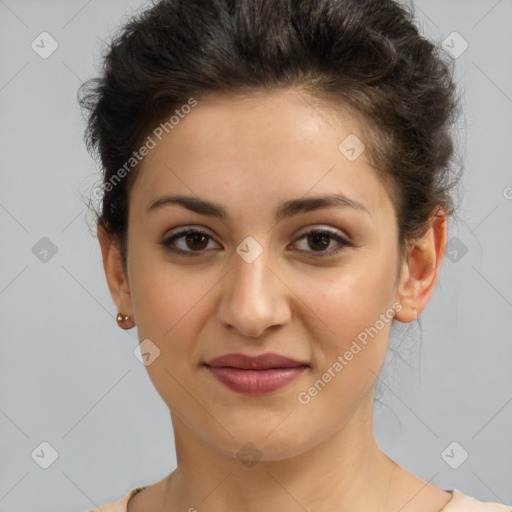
(264, 444)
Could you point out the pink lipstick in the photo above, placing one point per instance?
(255, 375)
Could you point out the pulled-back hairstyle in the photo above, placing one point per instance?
(365, 55)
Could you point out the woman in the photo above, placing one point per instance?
(276, 190)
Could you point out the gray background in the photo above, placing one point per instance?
(68, 375)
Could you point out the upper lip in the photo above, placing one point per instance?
(260, 362)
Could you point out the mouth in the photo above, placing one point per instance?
(255, 375)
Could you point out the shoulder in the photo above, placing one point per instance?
(461, 502)
(120, 505)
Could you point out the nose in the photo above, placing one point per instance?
(254, 297)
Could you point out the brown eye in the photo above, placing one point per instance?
(319, 239)
(194, 241)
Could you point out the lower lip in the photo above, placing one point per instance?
(256, 382)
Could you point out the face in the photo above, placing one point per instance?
(252, 282)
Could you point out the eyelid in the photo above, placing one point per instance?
(186, 227)
(340, 238)
(343, 241)
(190, 227)
(323, 228)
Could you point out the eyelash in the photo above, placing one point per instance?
(323, 254)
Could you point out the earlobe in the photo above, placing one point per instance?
(420, 270)
(114, 272)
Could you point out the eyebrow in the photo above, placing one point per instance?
(284, 210)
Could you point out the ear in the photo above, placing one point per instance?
(421, 268)
(113, 266)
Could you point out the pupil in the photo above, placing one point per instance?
(195, 237)
(316, 236)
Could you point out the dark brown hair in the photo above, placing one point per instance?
(366, 55)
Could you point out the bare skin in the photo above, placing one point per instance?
(250, 154)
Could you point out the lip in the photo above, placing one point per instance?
(255, 375)
(260, 362)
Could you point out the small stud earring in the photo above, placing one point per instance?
(122, 319)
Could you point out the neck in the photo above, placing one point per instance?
(345, 471)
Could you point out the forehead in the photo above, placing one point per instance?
(266, 146)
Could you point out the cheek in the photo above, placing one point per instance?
(164, 295)
(351, 336)
(349, 354)
(169, 307)
(350, 299)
